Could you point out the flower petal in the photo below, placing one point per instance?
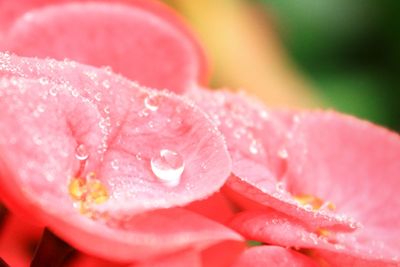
(140, 237)
(355, 165)
(181, 259)
(49, 109)
(122, 126)
(273, 256)
(157, 49)
(276, 228)
(256, 139)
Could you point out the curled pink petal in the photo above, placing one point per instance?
(273, 256)
(157, 50)
(355, 165)
(256, 139)
(273, 227)
(124, 129)
(78, 142)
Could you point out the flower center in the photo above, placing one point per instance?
(313, 202)
(86, 192)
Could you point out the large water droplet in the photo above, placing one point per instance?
(168, 166)
(81, 152)
(152, 102)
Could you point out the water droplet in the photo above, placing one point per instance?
(107, 109)
(41, 108)
(107, 69)
(254, 147)
(115, 164)
(75, 93)
(53, 91)
(168, 166)
(143, 113)
(43, 80)
(98, 96)
(106, 84)
(280, 187)
(152, 102)
(282, 153)
(339, 246)
(139, 156)
(81, 152)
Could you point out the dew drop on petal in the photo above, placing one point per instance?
(53, 91)
(282, 153)
(81, 152)
(115, 164)
(152, 102)
(254, 147)
(280, 187)
(168, 166)
(106, 84)
(98, 96)
(43, 80)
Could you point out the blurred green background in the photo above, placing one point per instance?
(338, 53)
(350, 49)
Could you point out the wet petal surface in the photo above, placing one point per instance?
(157, 50)
(79, 142)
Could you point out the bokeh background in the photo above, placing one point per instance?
(337, 54)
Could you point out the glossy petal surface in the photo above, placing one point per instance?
(256, 139)
(49, 109)
(157, 50)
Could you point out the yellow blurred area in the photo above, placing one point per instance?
(245, 51)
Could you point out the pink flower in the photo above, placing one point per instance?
(352, 165)
(92, 139)
(325, 176)
(131, 174)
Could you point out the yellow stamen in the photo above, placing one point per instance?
(323, 232)
(85, 193)
(77, 188)
(97, 192)
(315, 202)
